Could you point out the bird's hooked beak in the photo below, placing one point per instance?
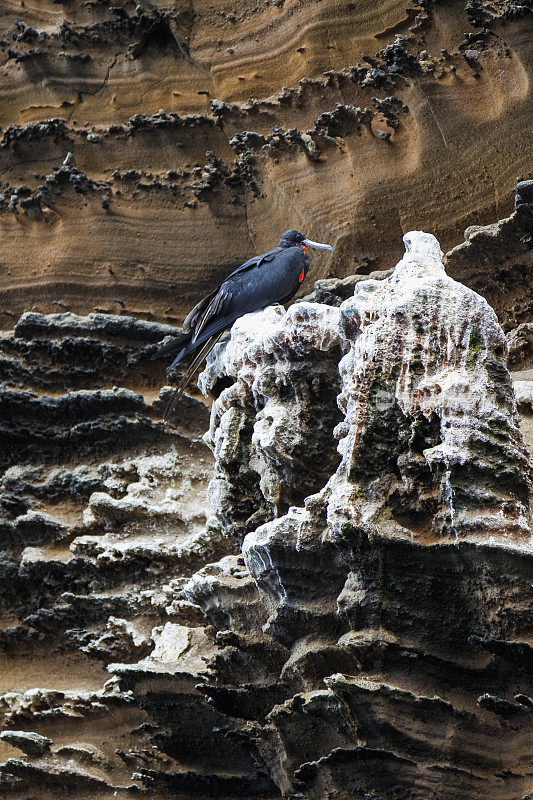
(318, 245)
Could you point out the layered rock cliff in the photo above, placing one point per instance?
(315, 582)
(398, 590)
(333, 603)
(148, 148)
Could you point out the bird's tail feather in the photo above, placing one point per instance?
(217, 327)
(173, 346)
(202, 353)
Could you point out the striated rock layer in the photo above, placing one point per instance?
(333, 603)
(148, 148)
(327, 594)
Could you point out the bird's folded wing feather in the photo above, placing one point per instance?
(215, 304)
(203, 311)
(255, 261)
(215, 307)
(193, 316)
(215, 326)
(210, 314)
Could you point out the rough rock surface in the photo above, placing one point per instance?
(103, 520)
(333, 604)
(272, 428)
(371, 638)
(400, 589)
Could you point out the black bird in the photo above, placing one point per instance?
(273, 277)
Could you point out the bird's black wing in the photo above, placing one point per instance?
(199, 309)
(216, 307)
(208, 308)
(243, 293)
(247, 289)
(216, 326)
(255, 261)
(216, 304)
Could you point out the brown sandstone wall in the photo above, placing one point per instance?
(206, 72)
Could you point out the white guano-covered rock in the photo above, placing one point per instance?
(429, 405)
(275, 383)
(431, 450)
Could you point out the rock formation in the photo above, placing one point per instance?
(391, 587)
(314, 582)
(332, 604)
(147, 148)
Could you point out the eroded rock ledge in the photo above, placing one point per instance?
(351, 622)
(397, 591)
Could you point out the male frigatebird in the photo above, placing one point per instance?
(273, 277)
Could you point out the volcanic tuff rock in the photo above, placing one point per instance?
(147, 148)
(272, 429)
(347, 622)
(399, 589)
(374, 644)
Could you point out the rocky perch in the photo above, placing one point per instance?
(429, 440)
(399, 589)
(353, 620)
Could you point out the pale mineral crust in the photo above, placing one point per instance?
(400, 589)
(272, 430)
